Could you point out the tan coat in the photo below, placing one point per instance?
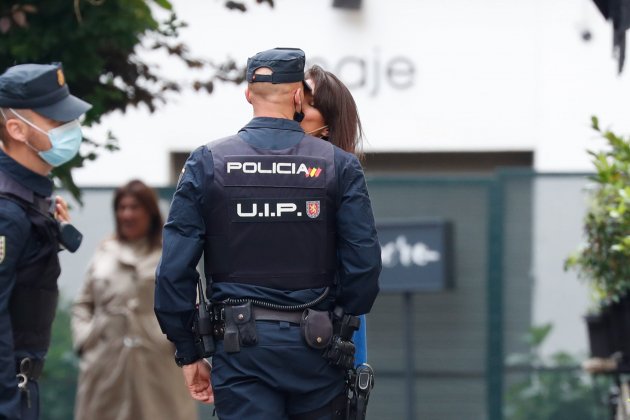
(126, 367)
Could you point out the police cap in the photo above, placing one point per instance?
(286, 64)
(41, 88)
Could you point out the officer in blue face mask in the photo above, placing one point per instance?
(38, 131)
(285, 224)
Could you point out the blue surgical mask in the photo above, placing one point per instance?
(65, 141)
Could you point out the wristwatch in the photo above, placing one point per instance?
(181, 361)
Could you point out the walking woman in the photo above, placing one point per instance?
(126, 368)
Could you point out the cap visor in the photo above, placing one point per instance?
(68, 109)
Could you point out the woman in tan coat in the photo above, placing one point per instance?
(126, 367)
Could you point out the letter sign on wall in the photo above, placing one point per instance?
(417, 256)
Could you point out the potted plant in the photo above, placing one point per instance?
(603, 261)
(551, 387)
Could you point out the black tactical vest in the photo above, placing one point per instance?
(34, 298)
(270, 215)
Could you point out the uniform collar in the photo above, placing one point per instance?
(277, 123)
(271, 133)
(33, 181)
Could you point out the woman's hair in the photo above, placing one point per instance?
(148, 200)
(336, 104)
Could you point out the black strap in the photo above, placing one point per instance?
(40, 206)
(264, 314)
(25, 197)
(17, 200)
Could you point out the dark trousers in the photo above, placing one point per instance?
(32, 412)
(276, 379)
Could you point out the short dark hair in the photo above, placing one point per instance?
(147, 198)
(336, 104)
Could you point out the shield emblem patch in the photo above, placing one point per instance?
(3, 247)
(312, 209)
(60, 77)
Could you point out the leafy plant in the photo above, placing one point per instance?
(100, 43)
(603, 259)
(553, 388)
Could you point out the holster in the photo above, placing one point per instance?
(360, 383)
(240, 328)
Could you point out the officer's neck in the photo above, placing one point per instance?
(274, 112)
(26, 157)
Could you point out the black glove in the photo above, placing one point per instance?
(340, 353)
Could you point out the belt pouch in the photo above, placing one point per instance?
(231, 341)
(317, 328)
(246, 323)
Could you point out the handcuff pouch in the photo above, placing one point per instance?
(317, 328)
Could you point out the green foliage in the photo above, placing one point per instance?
(241, 5)
(99, 42)
(59, 380)
(554, 388)
(603, 260)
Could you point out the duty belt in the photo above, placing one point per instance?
(31, 368)
(259, 314)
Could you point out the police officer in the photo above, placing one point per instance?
(281, 217)
(38, 131)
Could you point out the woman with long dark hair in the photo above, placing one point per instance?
(330, 111)
(331, 114)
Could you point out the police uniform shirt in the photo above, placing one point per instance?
(15, 246)
(358, 250)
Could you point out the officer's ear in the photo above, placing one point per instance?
(16, 129)
(248, 94)
(298, 98)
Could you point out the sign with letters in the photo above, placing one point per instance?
(417, 256)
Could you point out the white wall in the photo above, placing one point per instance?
(559, 297)
(488, 75)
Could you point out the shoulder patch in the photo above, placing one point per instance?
(3, 247)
